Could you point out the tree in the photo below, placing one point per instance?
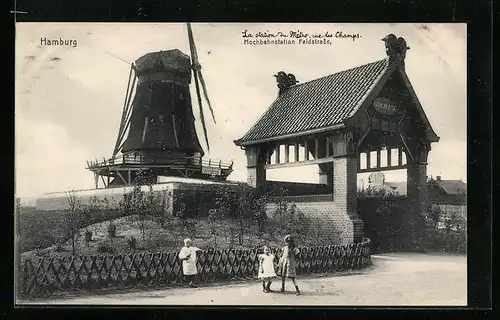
(259, 213)
(224, 200)
(161, 207)
(298, 223)
(281, 206)
(245, 207)
(88, 213)
(72, 217)
(213, 217)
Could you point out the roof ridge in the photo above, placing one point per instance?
(339, 72)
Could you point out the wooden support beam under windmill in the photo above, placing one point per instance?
(121, 177)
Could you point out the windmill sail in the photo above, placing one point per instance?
(161, 116)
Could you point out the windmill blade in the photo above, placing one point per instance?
(202, 117)
(126, 106)
(127, 118)
(194, 57)
(197, 68)
(206, 94)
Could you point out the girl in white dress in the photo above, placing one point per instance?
(188, 258)
(266, 269)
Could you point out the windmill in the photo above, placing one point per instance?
(157, 132)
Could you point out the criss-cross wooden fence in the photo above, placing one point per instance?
(46, 275)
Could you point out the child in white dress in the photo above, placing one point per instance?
(188, 258)
(266, 269)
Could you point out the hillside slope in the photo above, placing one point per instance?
(169, 238)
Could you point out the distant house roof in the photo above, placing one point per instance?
(319, 103)
(452, 186)
(399, 187)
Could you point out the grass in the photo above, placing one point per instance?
(168, 238)
(41, 229)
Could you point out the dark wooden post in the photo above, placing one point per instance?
(256, 172)
(306, 150)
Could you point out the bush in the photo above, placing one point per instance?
(103, 247)
(112, 230)
(59, 246)
(132, 243)
(88, 236)
(189, 226)
(449, 241)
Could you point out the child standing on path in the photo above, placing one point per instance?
(188, 258)
(266, 269)
(287, 263)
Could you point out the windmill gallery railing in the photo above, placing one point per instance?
(145, 160)
(47, 275)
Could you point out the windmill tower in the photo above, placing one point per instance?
(157, 132)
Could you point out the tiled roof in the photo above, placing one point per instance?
(399, 187)
(452, 186)
(319, 103)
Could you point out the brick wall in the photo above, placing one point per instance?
(417, 204)
(333, 223)
(296, 188)
(345, 193)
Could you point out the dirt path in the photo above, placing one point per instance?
(395, 279)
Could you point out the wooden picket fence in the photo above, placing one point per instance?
(48, 275)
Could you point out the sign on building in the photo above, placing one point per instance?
(213, 171)
(385, 106)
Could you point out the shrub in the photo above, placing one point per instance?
(132, 243)
(103, 247)
(112, 230)
(189, 226)
(59, 247)
(434, 213)
(88, 236)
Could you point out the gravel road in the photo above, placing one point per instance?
(401, 279)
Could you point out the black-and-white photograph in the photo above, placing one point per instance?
(235, 164)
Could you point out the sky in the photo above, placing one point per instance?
(68, 109)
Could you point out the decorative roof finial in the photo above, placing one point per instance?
(285, 81)
(395, 47)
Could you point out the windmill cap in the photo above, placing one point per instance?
(170, 60)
